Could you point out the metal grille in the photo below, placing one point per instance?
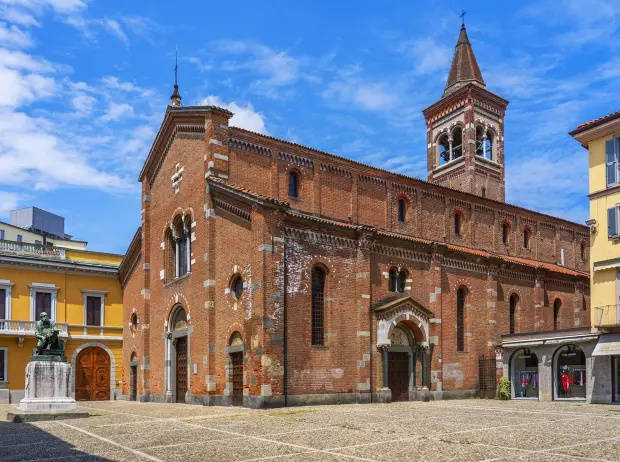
(460, 320)
(318, 308)
(486, 376)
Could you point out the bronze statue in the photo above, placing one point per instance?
(46, 333)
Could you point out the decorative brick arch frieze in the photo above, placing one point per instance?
(402, 310)
(74, 356)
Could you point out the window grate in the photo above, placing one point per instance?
(460, 320)
(318, 308)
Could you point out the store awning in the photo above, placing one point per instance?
(608, 345)
(606, 264)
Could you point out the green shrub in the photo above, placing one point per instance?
(504, 388)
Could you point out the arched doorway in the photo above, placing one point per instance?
(133, 378)
(524, 374)
(570, 373)
(400, 362)
(236, 351)
(92, 375)
(178, 352)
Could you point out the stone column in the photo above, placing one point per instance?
(384, 351)
(414, 354)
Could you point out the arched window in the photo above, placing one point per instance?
(170, 254)
(556, 313)
(524, 374)
(506, 233)
(402, 281)
(443, 148)
(457, 142)
(318, 306)
(402, 209)
(480, 139)
(460, 319)
(488, 146)
(583, 251)
(392, 276)
(179, 320)
(526, 238)
(182, 246)
(458, 224)
(514, 299)
(293, 184)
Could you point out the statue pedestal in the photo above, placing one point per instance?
(48, 386)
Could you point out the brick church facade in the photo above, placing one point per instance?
(266, 273)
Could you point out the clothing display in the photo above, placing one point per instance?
(565, 382)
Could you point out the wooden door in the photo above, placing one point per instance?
(398, 376)
(181, 369)
(237, 378)
(92, 375)
(133, 383)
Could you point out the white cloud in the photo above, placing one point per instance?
(13, 36)
(116, 111)
(429, 55)
(16, 16)
(115, 84)
(115, 29)
(369, 96)
(19, 89)
(8, 202)
(83, 103)
(244, 116)
(22, 61)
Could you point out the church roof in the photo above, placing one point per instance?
(464, 67)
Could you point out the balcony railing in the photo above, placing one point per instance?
(606, 315)
(24, 248)
(23, 328)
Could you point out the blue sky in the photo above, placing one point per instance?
(85, 84)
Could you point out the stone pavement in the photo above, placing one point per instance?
(448, 430)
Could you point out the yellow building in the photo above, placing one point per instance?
(601, 137)
(79, 290)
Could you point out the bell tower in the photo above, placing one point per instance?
(465, 130)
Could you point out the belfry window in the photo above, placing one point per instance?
(443, 146)
(488, 146)
(480, 140)
(457, 143)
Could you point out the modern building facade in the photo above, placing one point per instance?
(266, 273)
(79, 290)
(601, 137)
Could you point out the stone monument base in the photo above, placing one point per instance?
(48, 387)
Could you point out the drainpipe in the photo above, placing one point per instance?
(284, 336)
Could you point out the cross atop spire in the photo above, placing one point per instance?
(464, 67)
(176, 96)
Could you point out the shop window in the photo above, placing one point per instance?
(556, 313)
(514, 300)
(392, 277)
(460, 319)
(524, 374)
(402, 210)
(318, 306)
(570, 373)
(293, 184)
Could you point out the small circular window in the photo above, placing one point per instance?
(236, 286)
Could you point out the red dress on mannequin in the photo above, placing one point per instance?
(565, 382)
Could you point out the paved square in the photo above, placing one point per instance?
(465, 430)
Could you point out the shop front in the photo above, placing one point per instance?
(606, 363)
(554, 365)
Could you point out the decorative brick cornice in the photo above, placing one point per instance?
(231, 209)
(243, 145)
(295, 159)
(338, 171)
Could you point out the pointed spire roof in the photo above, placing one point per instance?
(176, 96)
(464, 68)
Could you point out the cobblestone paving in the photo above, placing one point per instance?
(449, 430)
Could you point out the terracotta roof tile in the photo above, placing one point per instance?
(464, 67)
(594, 122)
(225, 185)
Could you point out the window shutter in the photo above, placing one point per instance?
(611, 162)
(612, 222)
(2, 304)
